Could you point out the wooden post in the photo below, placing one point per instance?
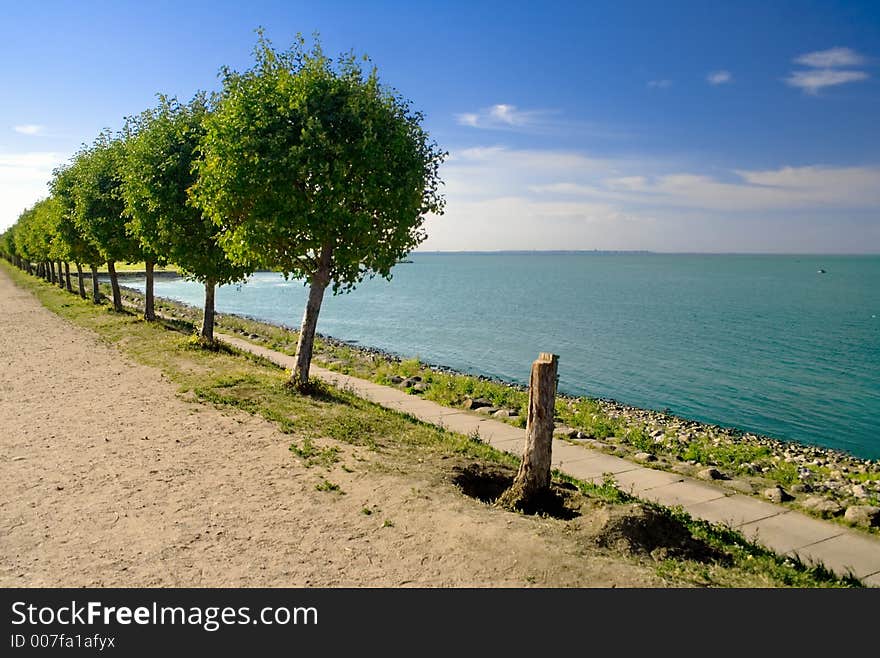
(533, 479)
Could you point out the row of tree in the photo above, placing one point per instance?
(300, 164)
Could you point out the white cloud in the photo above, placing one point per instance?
(719, 77)
(826, 71)
(814, 81)
(503, 116)
(504, 198)
(831, 58)
(30, 129)
(23, 181)
(659, 84)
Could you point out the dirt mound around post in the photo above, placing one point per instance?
(486, 482)
(643, 530)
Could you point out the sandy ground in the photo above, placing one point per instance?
(110, 478)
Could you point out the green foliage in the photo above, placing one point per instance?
(74, 242)
(157, 172)
(312, 455)
(327, 485)
(303, 157)
(97, 199)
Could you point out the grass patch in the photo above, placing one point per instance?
(312, 455)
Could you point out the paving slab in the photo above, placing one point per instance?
(846, 551)
(564, 453)
(643, 479)
(789, 531)
(594, 468)
(687, 492)
(735, 510)
(461, 422)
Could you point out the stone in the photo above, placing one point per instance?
(863, 515)
(858, 491)
(644, 457)
(823, 506)
(477, 403)
(420, 387)
(488, 411)
(801, 487)
(396, 379)
(502, 413)
(565, 432)
(711, 474)
(777, 495)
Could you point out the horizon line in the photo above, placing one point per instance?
(644, 252)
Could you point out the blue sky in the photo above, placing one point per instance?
(670, 126)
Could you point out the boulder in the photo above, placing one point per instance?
(488, 411)
(823, 506)
(711, 474)
(858, 490)
(863, 515)
(644, 457)
(777, 495)
(396, 379)
(476, 403)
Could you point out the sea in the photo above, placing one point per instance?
(783, 346)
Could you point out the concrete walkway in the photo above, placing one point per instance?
(782, 530)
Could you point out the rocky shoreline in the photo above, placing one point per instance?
(822, 481)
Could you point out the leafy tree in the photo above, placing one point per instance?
(77, 247)
(99, 206)
(315, 169)
(8, 248)
(33, 239)
(157, 172)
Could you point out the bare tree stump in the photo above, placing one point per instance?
(532, 483)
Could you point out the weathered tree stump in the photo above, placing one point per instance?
(532, 483)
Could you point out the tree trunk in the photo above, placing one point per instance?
(67, 276)
(319, 282)
(60, 278)
(51, 272)
(532, 482)
(149, 305)
(208, 316)
(114, 285)
(79, 276)
(96, 291)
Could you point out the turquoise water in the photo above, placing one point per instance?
(763, 343)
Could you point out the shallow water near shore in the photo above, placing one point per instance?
(764, 343)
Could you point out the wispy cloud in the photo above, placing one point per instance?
(505, 198)
(30, 129)
(719, 78)
(826, 70)
(812, 82)
(659, 84)
(503, 116)
(831, 58)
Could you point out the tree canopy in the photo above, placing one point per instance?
(314, 168)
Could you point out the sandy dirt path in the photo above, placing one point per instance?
(110, 479)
